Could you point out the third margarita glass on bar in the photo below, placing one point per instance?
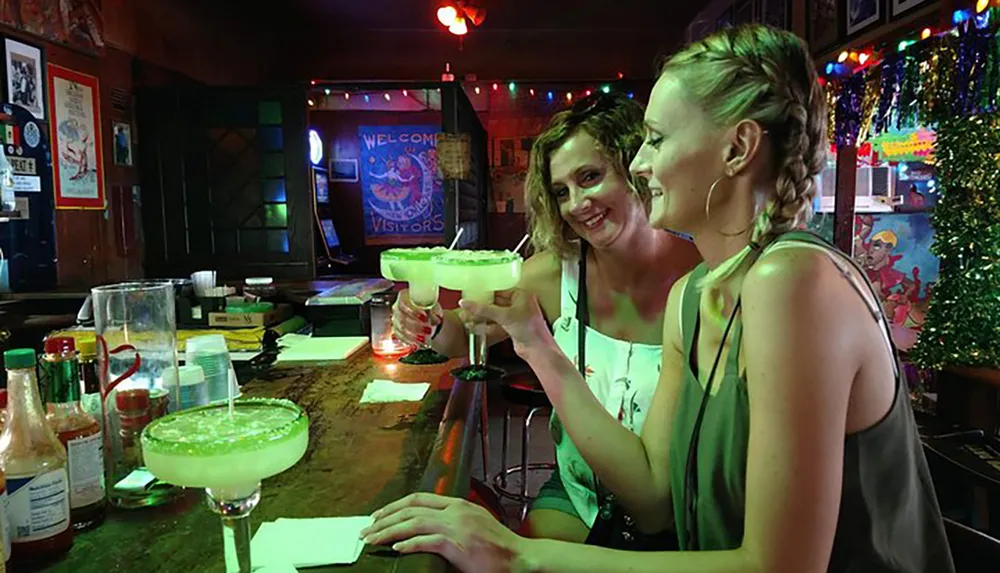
(228, 453)
(413, 266)
(478, 274)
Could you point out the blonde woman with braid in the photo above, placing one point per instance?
(594, 250)
(780, 437)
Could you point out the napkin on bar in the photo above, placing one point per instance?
(388, 391)
(304, 543)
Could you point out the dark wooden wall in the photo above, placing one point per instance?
(148, 43)
(92, 246)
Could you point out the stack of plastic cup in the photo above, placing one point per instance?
(212, 355)
(193, 388)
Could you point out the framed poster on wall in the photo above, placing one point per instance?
(25, 80)
(77, 160)
(900, 6)
(861, 14)
(823, 30)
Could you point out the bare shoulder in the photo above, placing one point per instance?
(788, 270)
(541, 275)
(798, 281)
(672, 334)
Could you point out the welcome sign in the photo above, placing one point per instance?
(400, 186)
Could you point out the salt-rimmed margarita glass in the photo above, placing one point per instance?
(228, 453)
(479, 275)
(413, 266)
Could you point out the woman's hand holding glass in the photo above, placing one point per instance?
(414, 325)
(516, 311)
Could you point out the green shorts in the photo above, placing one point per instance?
(553, 495)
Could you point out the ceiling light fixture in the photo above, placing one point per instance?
(457, 15)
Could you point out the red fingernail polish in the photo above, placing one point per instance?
(423, 316)
(421, 338)
(427, 330)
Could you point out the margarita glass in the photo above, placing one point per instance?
(414, 266)
(228, 453)
(478, 274)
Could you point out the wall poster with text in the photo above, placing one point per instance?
(77, 163)
(401, 188)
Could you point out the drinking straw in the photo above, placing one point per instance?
(455, 240)
(524, 240)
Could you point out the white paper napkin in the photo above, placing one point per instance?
(304, 543)
(389, 391)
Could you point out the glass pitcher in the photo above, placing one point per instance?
(136, 345)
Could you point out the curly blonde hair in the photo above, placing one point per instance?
(756, 72)
(615, 123)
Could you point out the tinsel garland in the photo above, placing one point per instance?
(961, 326)
(946, 76)
(909, 85)
(887, 97)
(848, 116)
(830, 92)
(873, 83)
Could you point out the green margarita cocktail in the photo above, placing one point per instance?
(228, 453)
(478, 274)
(414, 267)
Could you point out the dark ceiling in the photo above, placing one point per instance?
(520, 39)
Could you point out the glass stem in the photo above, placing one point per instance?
(236, 539)
(477, 344)
(234, 507)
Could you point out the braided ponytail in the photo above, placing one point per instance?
(763, 74)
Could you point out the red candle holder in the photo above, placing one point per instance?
(389, 347)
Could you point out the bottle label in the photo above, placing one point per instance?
(4, 525)
(38, 506)
(86, 470)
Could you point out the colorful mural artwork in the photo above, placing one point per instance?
(401, 188)
(894, 251)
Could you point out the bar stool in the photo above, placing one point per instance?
(521, 390)
(972, 550)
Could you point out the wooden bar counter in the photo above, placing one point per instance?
(360, 457)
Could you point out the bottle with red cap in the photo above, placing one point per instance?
(33, 461)
(79, 432)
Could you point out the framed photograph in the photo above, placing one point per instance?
(77, 161)
(344, 170)
(25, 82)
(900, 6)
(823, 29)
(773, 13)
(121, 137)
(504, 152)
(861, 14)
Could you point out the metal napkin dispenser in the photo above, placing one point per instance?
(342, 310)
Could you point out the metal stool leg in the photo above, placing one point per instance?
(504, 442)
(525, 442)
(484, 435)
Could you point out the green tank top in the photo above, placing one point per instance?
(889, 518)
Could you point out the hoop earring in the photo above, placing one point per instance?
(708, 209)
(708, 198)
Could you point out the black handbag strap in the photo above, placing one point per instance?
(582, 322)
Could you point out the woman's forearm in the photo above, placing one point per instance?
(616, 455)
(550, 556)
